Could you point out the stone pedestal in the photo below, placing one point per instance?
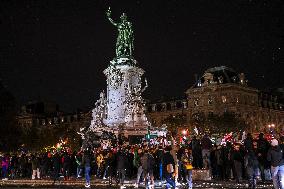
(203, 174)
(125, 107)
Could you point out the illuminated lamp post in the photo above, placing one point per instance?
(271, 128)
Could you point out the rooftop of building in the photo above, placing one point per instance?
(220, 75)
(164, 99)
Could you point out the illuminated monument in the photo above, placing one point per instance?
(122, 109)
(125, 106)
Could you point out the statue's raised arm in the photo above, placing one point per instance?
(108, 13)
(125, 37)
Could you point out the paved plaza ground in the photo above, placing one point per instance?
(98, 183)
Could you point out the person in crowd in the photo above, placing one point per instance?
(173, 162)
(130, 158)
(112, 165)
(262, 149)
(46, 165)
(137, 162)
(248, 142)
(251, 165)
(198, 150)
(66, 165)
(213, 162)
(1, 157)
(275, 157)
(187, 166)
(107, 163)
(206, 145)
(13, 166)
(220, 168)
(159, 154)
(35, 167)
(43, 165)
(196, 153)
(121, 166)
(56, 161)
(174, 149)
(73, 164)
(78, 159)
(23, 164)
(181, 174)
(86, 161)
(147, 162)
(237, 159)
(29, 166)
(169, 163)
(100, 162)
(5, 165)
(281, 143)
(228, 162)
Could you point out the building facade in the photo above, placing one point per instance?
(46, 114)
(160, 112)
(221, 90)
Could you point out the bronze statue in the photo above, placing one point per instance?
(125, 38)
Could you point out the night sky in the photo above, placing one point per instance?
(57, 50)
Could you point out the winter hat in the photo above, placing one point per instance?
(274, 142)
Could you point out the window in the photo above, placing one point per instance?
(224, 99)
(184, 105)
(179, 104)
(159, 107)
(210, 100)
(220, 79)
(164, 106)
(154, 107)
(196, 102)
(55, 120)
(168, 106)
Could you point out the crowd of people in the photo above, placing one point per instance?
(168, 164)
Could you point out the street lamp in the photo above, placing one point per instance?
(271, 128)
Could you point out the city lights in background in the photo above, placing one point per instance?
(271, 128)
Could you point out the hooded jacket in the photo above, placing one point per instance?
(122, 161)
(275, 156)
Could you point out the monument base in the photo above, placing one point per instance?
(198, 174)
(133, 135)
(133, 131)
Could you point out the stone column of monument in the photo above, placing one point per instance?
(125, 105)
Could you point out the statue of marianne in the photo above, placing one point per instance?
(125, 38)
